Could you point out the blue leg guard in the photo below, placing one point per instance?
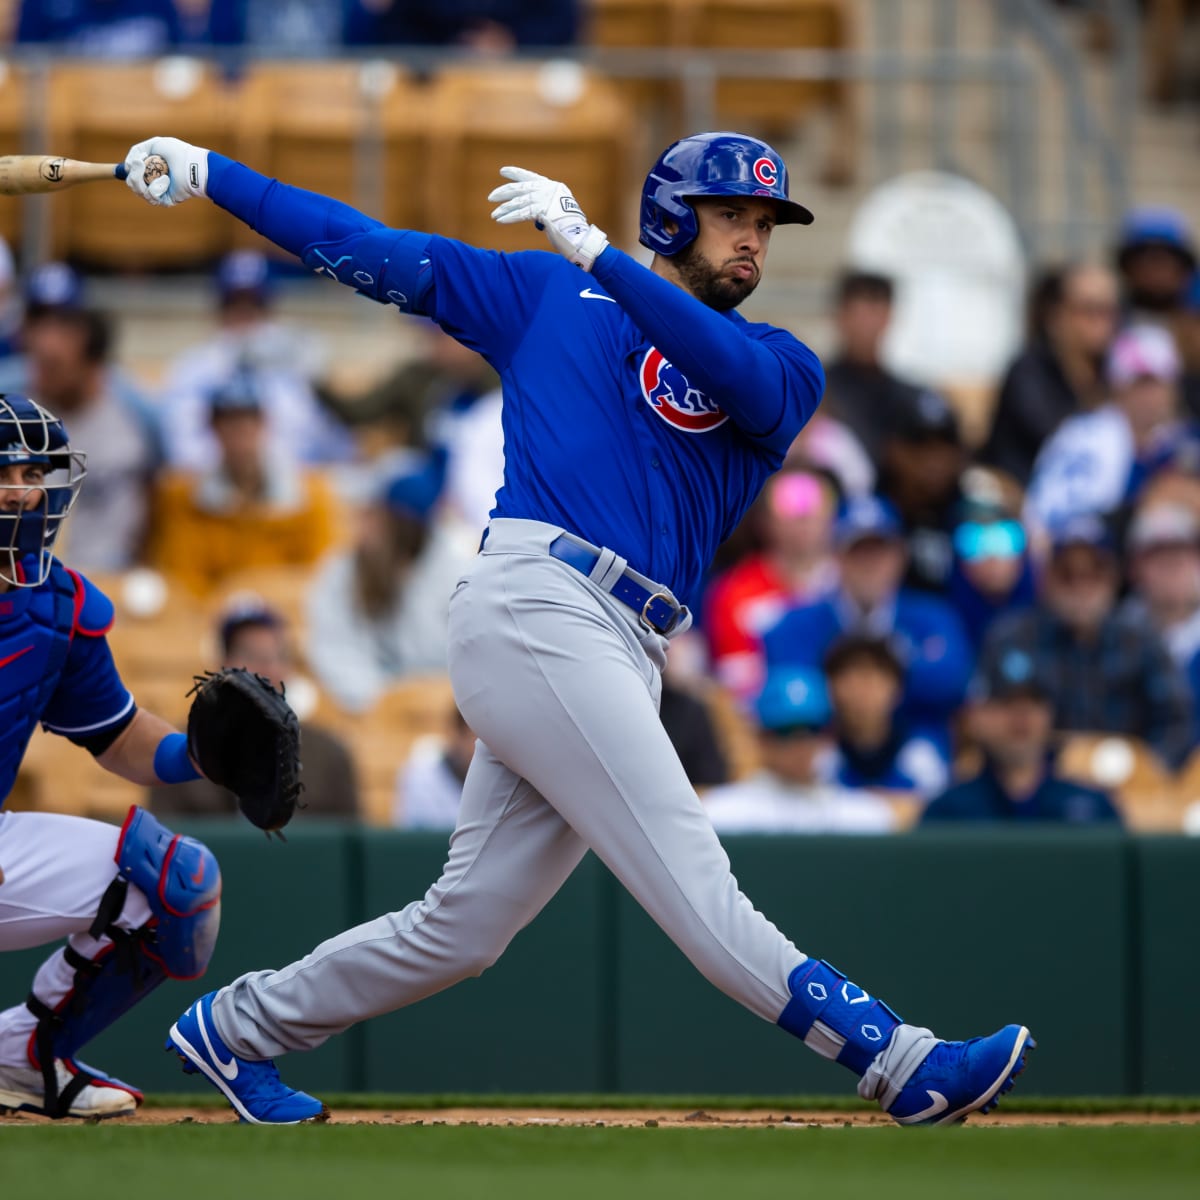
(182, 884)
(835, 1017)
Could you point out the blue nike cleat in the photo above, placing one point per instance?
(253, 1088)
(959, 1078)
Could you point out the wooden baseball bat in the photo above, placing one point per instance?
(26, 174)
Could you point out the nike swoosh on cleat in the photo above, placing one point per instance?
(588, 294)
(230, 1069)
(939, 1105)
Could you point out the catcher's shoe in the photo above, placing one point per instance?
(82, 1091)
(254, 1088)
(958, 1078)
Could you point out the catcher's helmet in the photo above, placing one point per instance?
(711, 164)
(31, 434)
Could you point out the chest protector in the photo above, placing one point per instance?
(36, 629)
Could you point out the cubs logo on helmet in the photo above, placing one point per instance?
(666, 389)
(766, 172)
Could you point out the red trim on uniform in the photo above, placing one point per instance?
(68, 995)
(13, 657)
(80, 596)
(133, 808)
(162, 883)
(74, 1068)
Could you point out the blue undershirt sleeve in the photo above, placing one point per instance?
(387, 265)
(769, 387)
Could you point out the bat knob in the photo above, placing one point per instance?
(156, 165)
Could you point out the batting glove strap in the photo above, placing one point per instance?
(552, 208)
(187, 171)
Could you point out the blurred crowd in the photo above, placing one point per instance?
(314, 28)
(903, 616)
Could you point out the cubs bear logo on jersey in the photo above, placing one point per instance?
(666, 389)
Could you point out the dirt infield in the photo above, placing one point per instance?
(648, 1117)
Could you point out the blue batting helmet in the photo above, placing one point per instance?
(711, 164)
(29, 434)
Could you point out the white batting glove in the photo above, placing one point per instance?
(187, 171)
(550, 206)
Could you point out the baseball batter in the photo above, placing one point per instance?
(136, 904)
(641, 416)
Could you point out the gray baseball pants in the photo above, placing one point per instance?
(561, 684)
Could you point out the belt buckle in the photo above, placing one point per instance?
(662, 630)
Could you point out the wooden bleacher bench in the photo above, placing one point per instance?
(773, 108)
(569, 124)
(380, 740)
(96, 111)
(324, 125)
(1146, 794)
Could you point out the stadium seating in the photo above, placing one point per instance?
(159, 641)
(283, 588)
(557, 119)
(354, 131)
(59, 777)
(96, 111)
(13, 116)
(640, 25)
(1146, 794)
(381, 739)
(770, 107)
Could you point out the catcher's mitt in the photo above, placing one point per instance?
(243, 734)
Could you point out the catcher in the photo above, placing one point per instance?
(155, 912)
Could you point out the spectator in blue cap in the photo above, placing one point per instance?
(53, 285)
(923, 630)
(1156, 257)
(1163, 548)
(787, 794)
(285, 360)
(993, 569)
(873, 748)
(1012, 719)
(51, 288)
(253, 635)
(1105, 670)
(378, 611)
(255, 508)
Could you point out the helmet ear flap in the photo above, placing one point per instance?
(667, 206)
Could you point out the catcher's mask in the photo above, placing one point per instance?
(29, 434)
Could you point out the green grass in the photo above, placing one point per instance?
(364, 1162)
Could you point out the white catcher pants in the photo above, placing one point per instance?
(56, 868)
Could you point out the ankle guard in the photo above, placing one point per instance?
(835, 1017)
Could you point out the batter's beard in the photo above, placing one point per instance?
(706, 282)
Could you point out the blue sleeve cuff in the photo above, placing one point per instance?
(172, 763)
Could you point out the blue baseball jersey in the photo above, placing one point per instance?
(56, 666)
(634, 415)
